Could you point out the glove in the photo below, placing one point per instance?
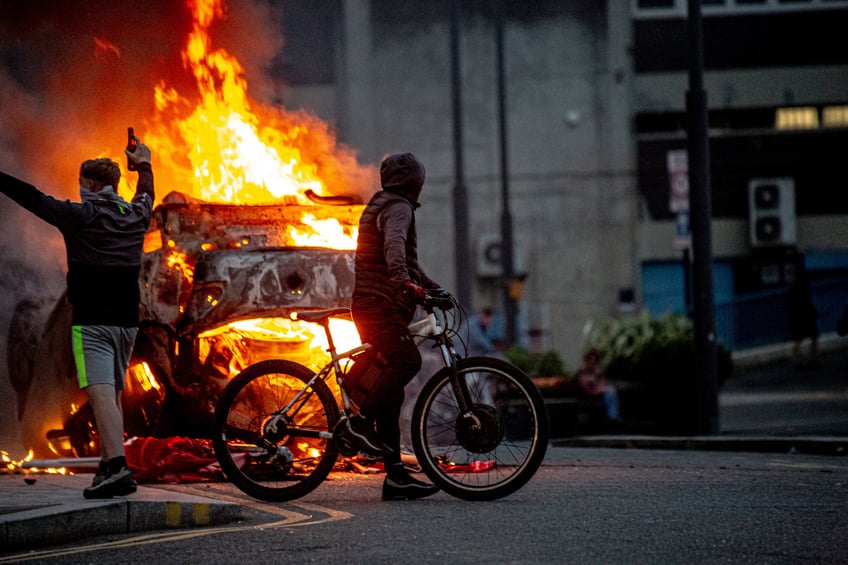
(415, 291)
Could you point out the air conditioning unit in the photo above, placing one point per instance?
(771, 212)
(490, 257)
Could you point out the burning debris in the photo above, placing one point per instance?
(219, 284)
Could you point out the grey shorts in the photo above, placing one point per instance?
(102, 354)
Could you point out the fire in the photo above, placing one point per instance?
(142, 374)
(306, 342)
(235, 151)
(323, 233)
(179, 260)
(214, 144)
(10, 464)
(26, 465)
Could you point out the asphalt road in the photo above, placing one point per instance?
(583, 506)
(779, 399)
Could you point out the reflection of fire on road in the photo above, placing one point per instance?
(264, 223)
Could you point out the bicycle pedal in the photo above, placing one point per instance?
(345, 444)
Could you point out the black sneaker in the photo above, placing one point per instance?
(102, 473)
(115, 484)
(406, 488)
(362, 430)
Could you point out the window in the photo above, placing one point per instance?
(796, 118)
(835, 116)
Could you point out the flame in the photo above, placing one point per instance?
(50, 470)
(9, 463)
(323, 233)
(237, 151)
(179, 261)
(143, 375)
(311, 339)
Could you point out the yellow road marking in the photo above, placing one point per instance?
(290, 519)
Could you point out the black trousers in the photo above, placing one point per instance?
(386, 329)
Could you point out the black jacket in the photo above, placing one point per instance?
(387, 253)
(103, 239)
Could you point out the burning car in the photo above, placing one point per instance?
(218, 285)
(264, 223)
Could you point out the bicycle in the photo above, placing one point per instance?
(479, 424)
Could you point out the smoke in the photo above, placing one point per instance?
(73, 76)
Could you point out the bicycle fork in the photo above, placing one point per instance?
(460, 387)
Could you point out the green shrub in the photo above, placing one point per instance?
(651, 349)
(547, 364)
(550, 364)
(521, 358)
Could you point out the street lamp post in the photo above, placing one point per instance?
(706, 409)
(508, 273)
(460, 193)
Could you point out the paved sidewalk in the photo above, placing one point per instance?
(43, 509)
(767, 406)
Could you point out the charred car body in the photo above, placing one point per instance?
(218, 285)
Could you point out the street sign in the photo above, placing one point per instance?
(678, 199)
(682, 231)
(678, 178)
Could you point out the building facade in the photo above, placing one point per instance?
(595, 114)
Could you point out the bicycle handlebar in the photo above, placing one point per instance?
(438, 299)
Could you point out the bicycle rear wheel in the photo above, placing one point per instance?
(492, 454)
(275, 459)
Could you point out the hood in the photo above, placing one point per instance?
(402, 173)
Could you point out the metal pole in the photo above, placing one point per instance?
(687, 282)
(506, 220)
(701, 216)
(462, 258)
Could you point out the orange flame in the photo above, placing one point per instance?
(236, 152)
(281, 331)
(323, 233)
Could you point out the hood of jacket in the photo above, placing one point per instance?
(403, 173)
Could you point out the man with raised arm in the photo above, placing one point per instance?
(103, 236)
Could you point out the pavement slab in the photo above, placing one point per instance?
(44, 509)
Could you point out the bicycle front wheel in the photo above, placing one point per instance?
(269, 454)
(491, 452)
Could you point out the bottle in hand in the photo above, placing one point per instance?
(131, 145)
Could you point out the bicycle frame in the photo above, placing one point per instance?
(324, 373)
(427, 329)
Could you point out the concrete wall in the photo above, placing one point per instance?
(569, 142)
(571, 98)
(571, 177)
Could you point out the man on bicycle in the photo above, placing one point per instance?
(389, 282)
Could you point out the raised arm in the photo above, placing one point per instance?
(141, 157)
(21, 192)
